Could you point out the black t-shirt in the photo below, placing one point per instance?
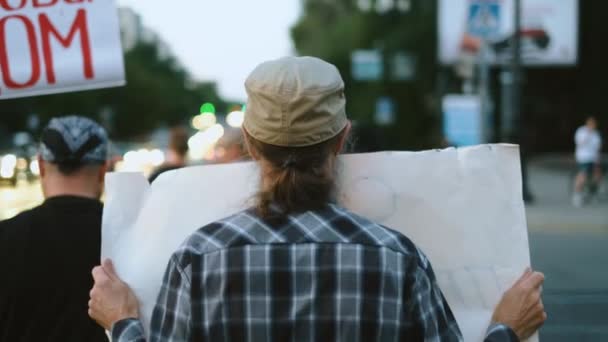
(46, 258)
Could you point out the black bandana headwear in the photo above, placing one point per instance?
(74, 139)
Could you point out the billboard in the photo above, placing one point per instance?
(54, 46)
(549, 31)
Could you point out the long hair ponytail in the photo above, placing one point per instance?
(295, 179)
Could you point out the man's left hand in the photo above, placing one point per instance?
(111, 299)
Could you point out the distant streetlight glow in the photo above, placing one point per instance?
(235, 119)
(157, 157)
(35, 168)
(7, 166)
(141, 160)
(203, 143)
(364, 5)
(215, 132)
(384, 6)
(204, 121)
(404, 5)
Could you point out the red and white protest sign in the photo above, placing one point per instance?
(56, 46)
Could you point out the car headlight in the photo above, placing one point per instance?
(35, 168)
(7, 173)
(7, 166)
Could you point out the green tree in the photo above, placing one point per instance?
(158, 91)
(332, 30)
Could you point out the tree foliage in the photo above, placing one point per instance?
(332, 30)
(158, 91)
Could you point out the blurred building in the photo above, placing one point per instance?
(133, 31)
(131, 27)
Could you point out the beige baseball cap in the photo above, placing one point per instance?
(295, 102)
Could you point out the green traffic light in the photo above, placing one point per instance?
(208, 108)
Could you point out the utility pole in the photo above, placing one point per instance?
(512, 128)
(511, 79)
(484, 91)
(516, 69)
(517, 130)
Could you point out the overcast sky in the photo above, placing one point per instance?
(222, 40)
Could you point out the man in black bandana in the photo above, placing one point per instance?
(38, 301)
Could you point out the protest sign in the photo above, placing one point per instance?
(462, 207)
(54, 46)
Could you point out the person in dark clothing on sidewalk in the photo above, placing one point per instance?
(177, 155)
(40, 302)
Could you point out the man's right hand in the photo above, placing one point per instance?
(521, 307)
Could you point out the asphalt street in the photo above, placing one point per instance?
(15, 200)
(570, 245)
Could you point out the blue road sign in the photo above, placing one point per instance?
(484, 18)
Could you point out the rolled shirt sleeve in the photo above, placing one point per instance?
(500, 333)
(171, 315)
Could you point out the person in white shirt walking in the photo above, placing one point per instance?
(588, 158)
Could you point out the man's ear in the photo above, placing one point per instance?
(41, 166)
(344, 136)
(102, 172)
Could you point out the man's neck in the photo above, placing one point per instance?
(64, 187)
(83, 194)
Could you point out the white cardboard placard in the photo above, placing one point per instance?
(462, 207)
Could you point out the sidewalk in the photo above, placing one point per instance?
(552, 211)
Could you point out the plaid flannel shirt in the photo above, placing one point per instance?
(325, 275)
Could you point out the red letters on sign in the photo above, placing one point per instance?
(35, 59)
(47, 29)
(35, 3)
(40, 3)
(47, 32)
(4, 4)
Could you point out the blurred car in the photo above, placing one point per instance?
(8, 169)
(15, 167)
(135, 157)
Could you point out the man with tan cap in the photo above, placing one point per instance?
(296, 266)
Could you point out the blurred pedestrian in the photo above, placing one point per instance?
(40, 301)
(177, 154)
(588, 158)
(229, 148)
(296, 266)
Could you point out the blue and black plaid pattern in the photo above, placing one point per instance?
(327, 275)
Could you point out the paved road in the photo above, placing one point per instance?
(571, 247)
(13, 201)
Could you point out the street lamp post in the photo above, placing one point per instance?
(517, 135)
(517, 76)
(512, 124)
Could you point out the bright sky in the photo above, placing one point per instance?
(222, 40)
